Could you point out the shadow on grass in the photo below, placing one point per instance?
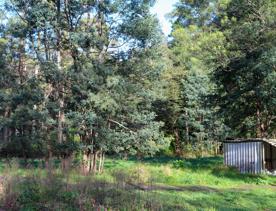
(214, 165)
(52, 193)
(190, 163)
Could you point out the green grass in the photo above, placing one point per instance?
(168, 184)
(202, 171)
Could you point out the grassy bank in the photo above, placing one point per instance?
(161, 183)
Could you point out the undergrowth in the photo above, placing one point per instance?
(149, 184)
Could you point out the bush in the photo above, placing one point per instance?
(30, 193)
(182, 164)
(139, 174)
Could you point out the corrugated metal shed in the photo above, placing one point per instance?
(250, 155)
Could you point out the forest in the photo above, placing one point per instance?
(100, 110)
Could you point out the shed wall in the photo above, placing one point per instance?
(246, 156)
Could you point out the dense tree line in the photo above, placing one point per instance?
(91, 77)
(223, 71)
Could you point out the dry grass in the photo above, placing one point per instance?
(163, 184)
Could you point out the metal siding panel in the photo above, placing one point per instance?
(226, 153)
(242, 157)
(250, 157)
(245, 161)
(259, 158)
(238, 156)
(233, 154)
(255, 158)
(248, 169)
(246, 158)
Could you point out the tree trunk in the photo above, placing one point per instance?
(95, 157)
(177, 142)
(60, 86)
(102, 164)
(85, 164)
(6, 129)
(100, 161)
(260, 127)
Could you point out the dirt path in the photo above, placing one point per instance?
(194, 188)
(197, 188)
(251, 187)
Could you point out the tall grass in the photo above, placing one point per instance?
(151, 184)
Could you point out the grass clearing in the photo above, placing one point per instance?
(162, 183)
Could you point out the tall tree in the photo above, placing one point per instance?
(95, 63)
(194, 47)
(246, 82)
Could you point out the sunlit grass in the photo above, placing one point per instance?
(177, 184)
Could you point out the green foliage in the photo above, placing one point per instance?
(223, 57)
(149, 184)
(79, 77)
(245, 93)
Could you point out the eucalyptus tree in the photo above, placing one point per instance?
(196, 44)
(96, 63)
(246, 82)
(239, 58)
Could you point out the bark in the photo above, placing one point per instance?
(177, 142)
(260, 127)
(102, 164)
(6, 129)
(85, 164)
(100, 161)
(60, 87)
(60, 118)
(95, 157)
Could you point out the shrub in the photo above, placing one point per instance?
(139, 174)
(182, 164)
(30, 192)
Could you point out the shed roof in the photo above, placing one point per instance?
(239, 140)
